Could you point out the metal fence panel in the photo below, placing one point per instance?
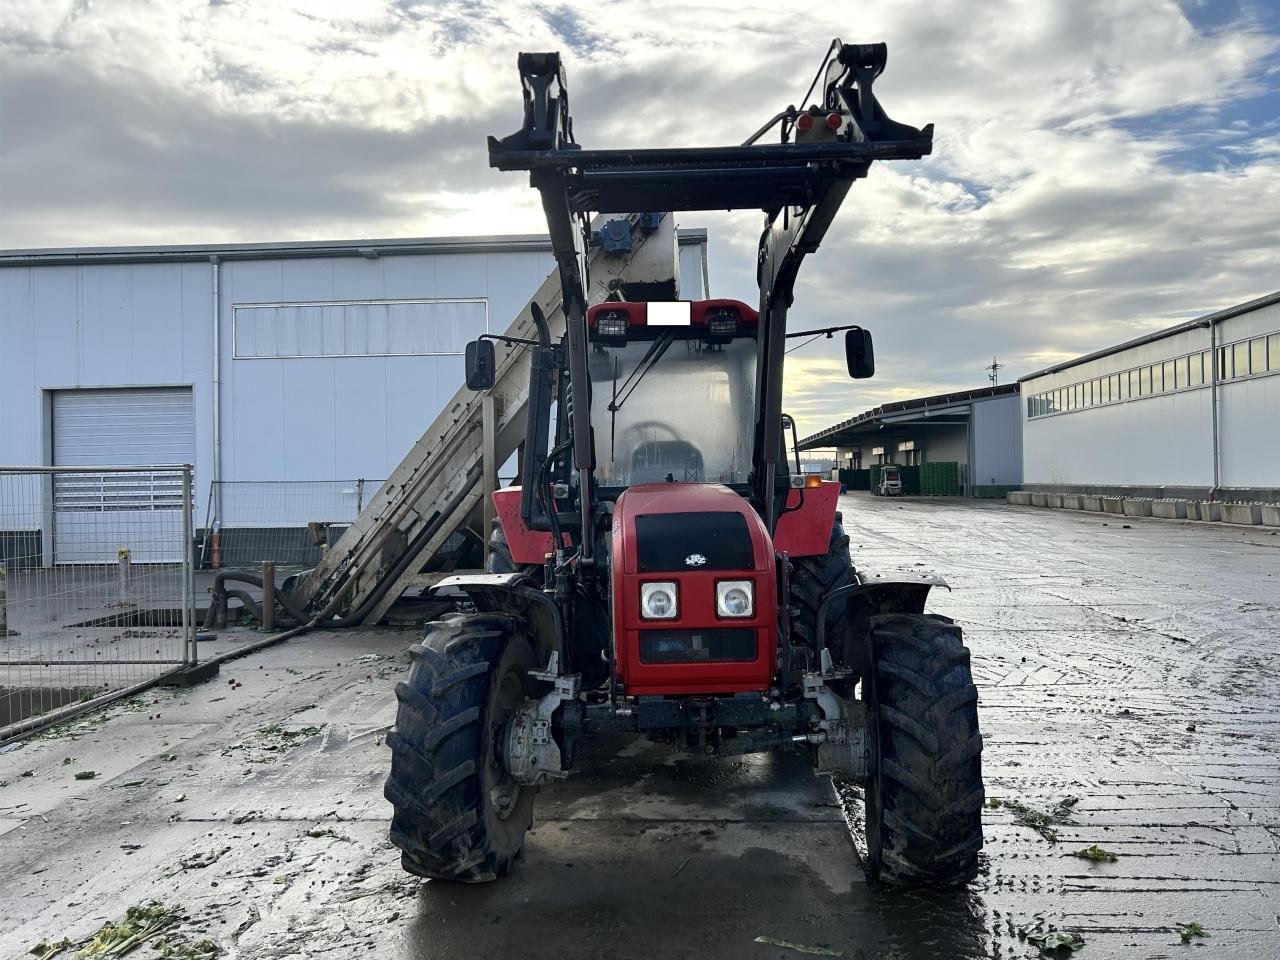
(289, 522)
(96, 595)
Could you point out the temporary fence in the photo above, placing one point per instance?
(288, 522)
(96, 592)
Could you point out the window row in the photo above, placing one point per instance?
(1245, 358)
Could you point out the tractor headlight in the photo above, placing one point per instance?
(735, 598)
(658, 601)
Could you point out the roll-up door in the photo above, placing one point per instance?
(97, 514)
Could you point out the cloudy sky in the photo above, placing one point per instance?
(1100, 168)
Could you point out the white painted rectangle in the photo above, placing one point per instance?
(669, 313)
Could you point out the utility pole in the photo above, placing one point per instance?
(993, 376)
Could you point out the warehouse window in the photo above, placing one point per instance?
(1115, 386)
(1273, 352)
(1241, 351)
(1123, 392)
(1206, 364)
(1167, 382)
(1195, 371)
(1224, 363)
(1144, 382)
(1258, 355)
(1179, 373)
(368, 328)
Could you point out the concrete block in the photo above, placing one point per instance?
(1136, 508)
(1091, 503)
(1250, 513)
(1039, 499)
(1053, 500)
(1169, 509)
(1113, 504)
(1019, 498)
(1070, 501)
(1208, 511)
(1271, 514)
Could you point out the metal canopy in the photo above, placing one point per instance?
(939, 410)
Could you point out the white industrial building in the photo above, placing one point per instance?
(977, 430)
(281, 362)
(1183, 412)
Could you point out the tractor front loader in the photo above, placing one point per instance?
(661, 568)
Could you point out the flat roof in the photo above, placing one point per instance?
(1207, 320)
(923, 405)
(371, 249)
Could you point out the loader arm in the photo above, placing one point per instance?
(798, 185)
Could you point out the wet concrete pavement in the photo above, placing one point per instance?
(257, 804)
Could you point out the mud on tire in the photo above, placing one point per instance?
(924, 799)
(457, 814)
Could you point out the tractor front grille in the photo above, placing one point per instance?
(714, 645)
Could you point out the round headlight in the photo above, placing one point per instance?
(735, 598)
(658, 601)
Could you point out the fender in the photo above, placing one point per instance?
(513, 593)
(804, 529)
(872, 598)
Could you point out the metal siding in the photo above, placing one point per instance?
(1154, 441)
(1248, 411)
(997, 442)
(370, 328)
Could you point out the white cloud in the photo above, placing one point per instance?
(1091, 179)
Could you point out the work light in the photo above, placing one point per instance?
(735, 598)
(612, 323)
(722, 322)
(658, 600)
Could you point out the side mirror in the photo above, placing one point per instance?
(481, 366)
(859, 353)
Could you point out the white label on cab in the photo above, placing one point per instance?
(669, 313)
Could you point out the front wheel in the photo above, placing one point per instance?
(458, 814)
(924, 796)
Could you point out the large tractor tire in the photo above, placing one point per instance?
(458, 814)
(924, 797)
(814, 577)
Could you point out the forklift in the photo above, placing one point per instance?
(661, 569)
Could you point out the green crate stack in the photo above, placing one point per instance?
(940, 479)
(875, 476)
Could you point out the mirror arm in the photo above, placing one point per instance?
(498, 336)
(829, 331)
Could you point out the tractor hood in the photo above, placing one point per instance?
(689, 539)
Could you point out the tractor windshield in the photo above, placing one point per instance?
(673, 407)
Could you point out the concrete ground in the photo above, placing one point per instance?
(1130, 664)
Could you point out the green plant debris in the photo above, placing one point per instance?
(80, 726)
(47, 950)
(86, 696)
(87, 775)
(200, 950)
(270, 741)
(1050, 941)
(1041, 821)
(198, 861)
(1096, 853)
(317, 833)
(800, 947)
(141, 923)
(1189, 930)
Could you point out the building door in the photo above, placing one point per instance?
(95, 515)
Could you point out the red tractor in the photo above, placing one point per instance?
(661, 569)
